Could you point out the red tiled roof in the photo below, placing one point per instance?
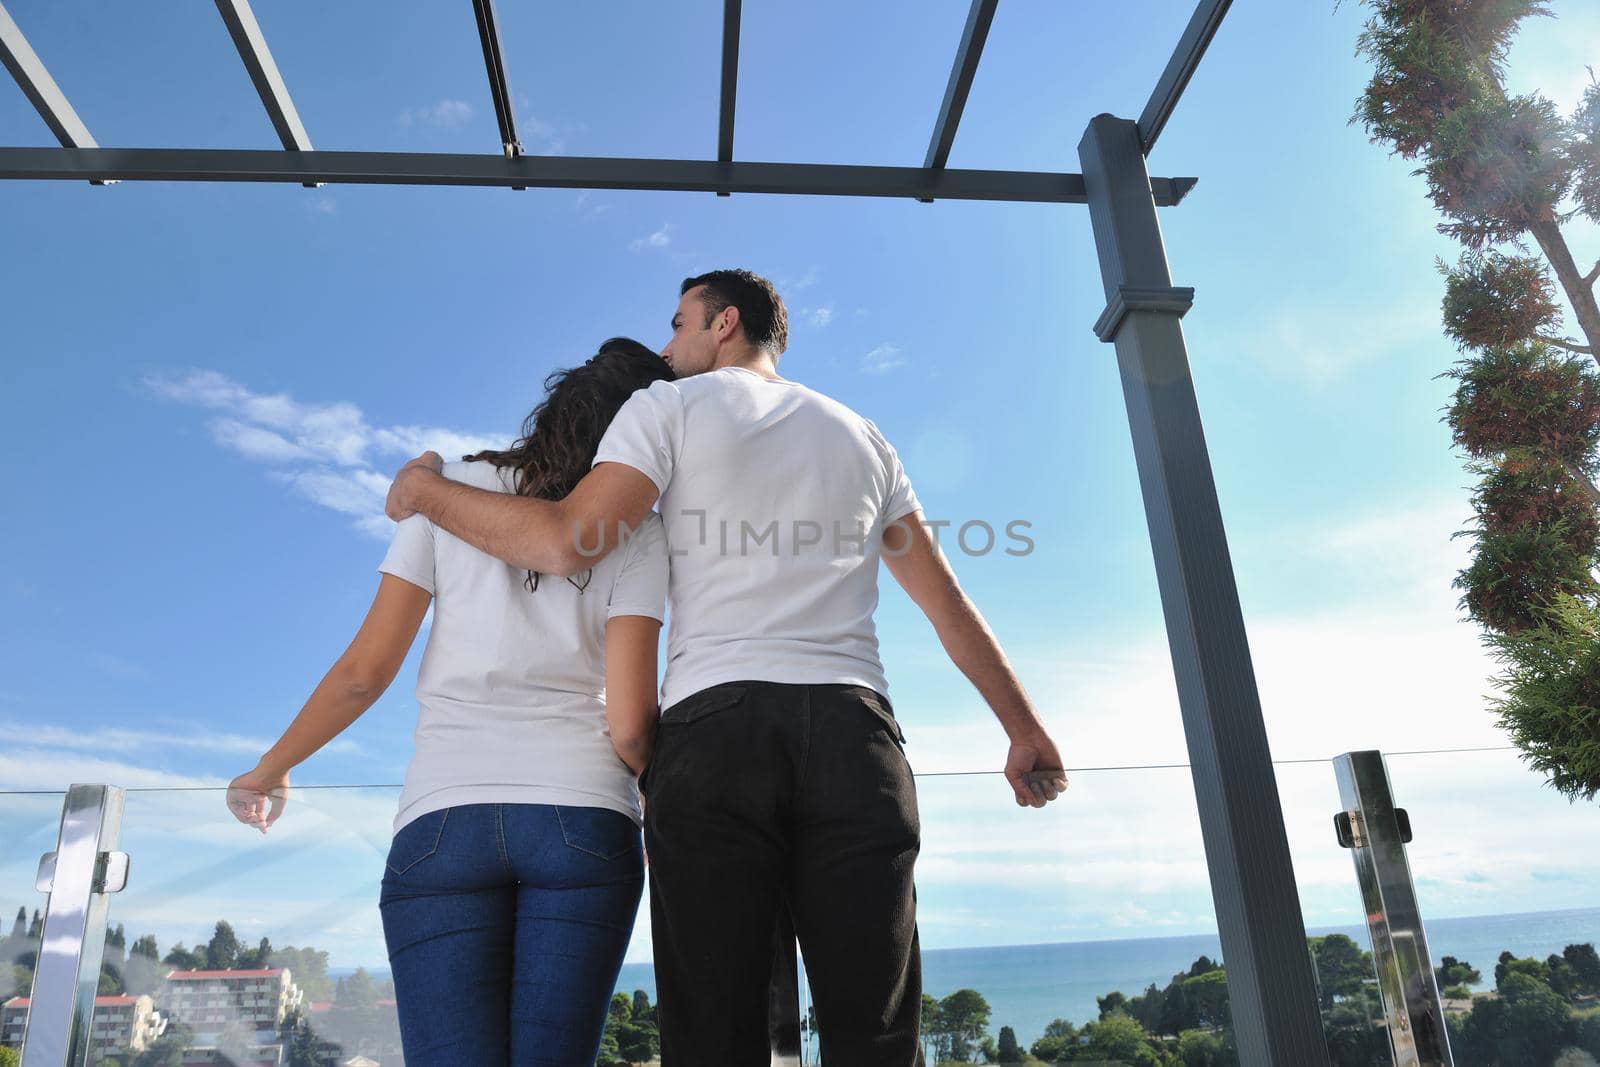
(184, 976)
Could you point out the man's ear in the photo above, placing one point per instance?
(732, 323)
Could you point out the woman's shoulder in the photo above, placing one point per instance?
(480, 474)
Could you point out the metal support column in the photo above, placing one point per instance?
(1376, 832)
(77, 875)
(1270, 981)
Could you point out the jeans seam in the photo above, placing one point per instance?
(500, 836)
(439, 836)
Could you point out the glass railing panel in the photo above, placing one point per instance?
(29, 824)
(1508, 882)
(297, 905)
(1338, 941)
(1059, 931)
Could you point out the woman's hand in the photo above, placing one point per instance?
(257, 797)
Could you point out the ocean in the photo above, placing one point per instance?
(1029, 985)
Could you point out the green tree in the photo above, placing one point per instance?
(964, 1021)
(642, 1010)
(222, 951)
(1508, 965)
(1200, 1048)
(9, 1057)
(1585, 966)
(143, 971)
(935, 1045)
(1006, 1048)
(1342, 968)
(255, 958)
(1503, 169)
(1207, 995)
(166, 1050)
(1112, 1003)
(1454, 972)
(1527, 1024)
(303, 1049)
(356, 991)
(1147, 1007)
(309, 967)
(183, 959)
(1119, 1037)
(1059, 1038)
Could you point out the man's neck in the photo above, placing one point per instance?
(752, 359)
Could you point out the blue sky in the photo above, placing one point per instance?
(207, 387)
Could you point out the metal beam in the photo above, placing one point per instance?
(41, 89)
(979, 18)
(1270, 982)
(252, 45)
(730, 78)
(494, 61)
(1197, 36)
(554, 172)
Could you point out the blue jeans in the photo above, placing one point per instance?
(506, 926)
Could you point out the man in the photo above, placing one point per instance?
(778, 778)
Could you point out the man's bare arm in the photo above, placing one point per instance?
(560, 537)
(922, 571)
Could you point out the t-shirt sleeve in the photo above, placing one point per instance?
(647, 433)
(410, 555)
(900, 500)
(641, 584)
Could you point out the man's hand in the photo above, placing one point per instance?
(400, 504)
(1033, 767)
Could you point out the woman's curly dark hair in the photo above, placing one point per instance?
(560, 436)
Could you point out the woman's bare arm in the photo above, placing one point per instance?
(351, 686)
(631, 704)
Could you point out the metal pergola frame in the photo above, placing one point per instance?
(1270, 980)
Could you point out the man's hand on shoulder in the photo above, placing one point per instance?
(402, 500)
(1033, 767)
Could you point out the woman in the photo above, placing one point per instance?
(516, 867)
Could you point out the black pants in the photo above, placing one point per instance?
(764, 795)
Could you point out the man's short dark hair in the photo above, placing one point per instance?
(761, 311)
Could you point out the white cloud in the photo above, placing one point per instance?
(1318, 342)
(588, 208)
(325, 452)
(25, 768)
(661, 238)
(256, 442)
(324, 205)
(882, 359)
(798, 285)
(120, 741)
(443, 115)
(818, 317)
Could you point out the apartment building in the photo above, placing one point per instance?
(120, 1024)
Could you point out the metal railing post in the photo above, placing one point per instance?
(1376, 832)
(78, 875)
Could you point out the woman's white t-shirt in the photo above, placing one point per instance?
(511, 692)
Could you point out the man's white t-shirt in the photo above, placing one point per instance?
(511, 692)
(774, 499)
